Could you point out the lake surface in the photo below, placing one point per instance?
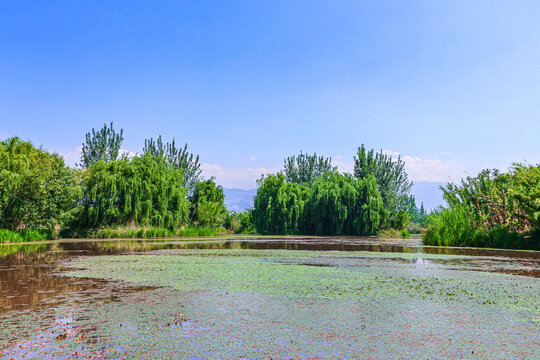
(267, 298)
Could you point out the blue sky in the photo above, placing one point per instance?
(453, 87)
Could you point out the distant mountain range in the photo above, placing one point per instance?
(239, 199)
(424, 191)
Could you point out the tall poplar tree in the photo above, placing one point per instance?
(103, 144)
(391, 178)
(180, 158)
(305, 168)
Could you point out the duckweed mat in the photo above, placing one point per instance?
(278, 304)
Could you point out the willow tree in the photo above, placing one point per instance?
(103, 144)
(180, 158)
(341, 204)
(142, 191)
(305, 168)
(207, 204)
(278, 205)
(392, 181)
(37, 189)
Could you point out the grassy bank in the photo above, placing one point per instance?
(394, 233)
(143, 232)
(12, 236)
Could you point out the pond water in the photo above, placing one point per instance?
(267, 298)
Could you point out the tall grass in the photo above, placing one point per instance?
(140, 232)
(12, 236)
(202, 231)
(455, 227)
(394, 234)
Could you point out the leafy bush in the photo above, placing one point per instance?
(394, 234)
(201, 231)
(405, 234)
(241, 223)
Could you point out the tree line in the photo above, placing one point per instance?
(161, 188)
(162, 192)
(309, 196)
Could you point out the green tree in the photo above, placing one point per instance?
(486, 199)
(416, 214)
(525, 192)
(143, 191)
(278, 205)
(411, 208)
(207, 204)
(305, 168)
(392, 180)
(492, 209)
(341, 204)
(103, 145)
(241, 222)
(37, 189)
(180, 158)
(334, 204)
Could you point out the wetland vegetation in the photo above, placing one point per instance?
(162, 192)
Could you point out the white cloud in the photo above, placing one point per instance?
(243, 178)
(342, 164)
(433, 169)
(73, 157)
(252, 158)
(440, 170)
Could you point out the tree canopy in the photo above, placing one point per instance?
(525, 192)
(37, 190)
(278, 205)
(305, 168)
(207, 204)
(143, 191)
(180, 158)
(103, 144)
(334, 204)
(391, 178)
(341, 204)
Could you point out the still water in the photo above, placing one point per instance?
(255, 298)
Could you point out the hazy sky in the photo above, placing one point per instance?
(453, 86)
